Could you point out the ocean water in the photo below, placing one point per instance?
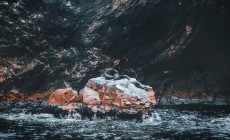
(165, 122)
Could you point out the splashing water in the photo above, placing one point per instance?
(164, 122)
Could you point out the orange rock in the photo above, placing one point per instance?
(101, 94)
(120, 93)
(89, 97)
(15, 95)
(43, 95)
(63, 96)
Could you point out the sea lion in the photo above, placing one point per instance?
(122, 77)
(112, 74)
(139, 85)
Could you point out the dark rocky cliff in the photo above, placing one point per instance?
(180, 47)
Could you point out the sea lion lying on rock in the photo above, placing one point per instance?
(112, 74)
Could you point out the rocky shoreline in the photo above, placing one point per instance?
(178, 47)
(102, 97)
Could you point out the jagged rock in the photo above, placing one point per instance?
(162, 51)
(3, 72)
(116, 96)
(62, 96)
(124, 92)
(15, 95)
(41, 95)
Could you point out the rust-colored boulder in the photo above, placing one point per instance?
(126, 92)
(109, 93)
(63, 96)
(41, 95)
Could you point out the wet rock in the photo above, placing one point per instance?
(15, 95)
(33, 107)
(118, 92)
(62, 96)
(112, 113)
(129, 116)
(85, 112)
(49, 109)
(119, 97)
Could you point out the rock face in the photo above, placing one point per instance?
(178, 47)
